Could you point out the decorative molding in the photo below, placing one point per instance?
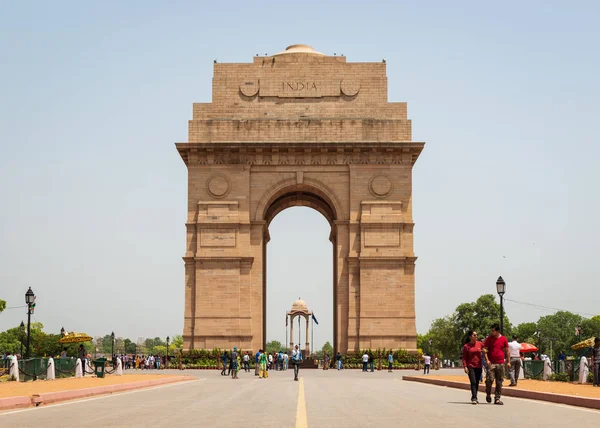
(196, 154)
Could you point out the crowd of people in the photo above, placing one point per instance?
(263, 362)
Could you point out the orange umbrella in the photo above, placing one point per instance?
(528, 347)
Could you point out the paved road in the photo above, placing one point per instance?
(329, 399)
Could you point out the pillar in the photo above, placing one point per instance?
(307, 344)
(291, 332)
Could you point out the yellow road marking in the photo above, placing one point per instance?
(301, 421)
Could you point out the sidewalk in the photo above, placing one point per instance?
(25, 394)
(557, 392)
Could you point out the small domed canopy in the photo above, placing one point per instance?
(299, 49)
(299, 308)
(299, 305)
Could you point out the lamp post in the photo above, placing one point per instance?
(167, 360)
(501, 289)
(539, 335)
(22, 328)
(29, 299)
(578, 330)
(112, 345)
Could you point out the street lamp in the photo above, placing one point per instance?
(578, 330)
(501, 289)
(29, 299)
(112, 345)
(539, 335)
(22, 328)
(167, 360)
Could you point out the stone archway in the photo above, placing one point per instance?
(314, 195)
(299, 128)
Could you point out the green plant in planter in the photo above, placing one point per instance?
(590, 377)
(559, 377)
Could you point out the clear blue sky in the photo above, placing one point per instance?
(93, 192)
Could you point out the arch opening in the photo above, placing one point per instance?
(300, 261)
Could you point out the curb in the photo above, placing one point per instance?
(58, 396)
(571, 400)
(14, 402)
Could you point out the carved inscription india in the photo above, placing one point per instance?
(299, 88)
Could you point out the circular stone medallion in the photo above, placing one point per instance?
(350, 87)
(218, 186)
(380, 186)
(249, 88)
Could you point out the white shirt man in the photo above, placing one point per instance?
(296, 359)
(514, 349)
(365, 361)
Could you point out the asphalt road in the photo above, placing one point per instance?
(348, 398)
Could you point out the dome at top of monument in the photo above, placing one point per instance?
(302, 49)
(299, 305)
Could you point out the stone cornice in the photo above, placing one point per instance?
(224, 259)
(300, 154)
(383, 259)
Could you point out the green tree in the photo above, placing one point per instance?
(273, 346)
(10, 340)
(176, 343)
(558, 330)
(526, 332)
(160, 350)
(2, 305)
(149, 344)
(130, 347)
(445, 338)
(590, 327)
(107, 344)
(479, 316)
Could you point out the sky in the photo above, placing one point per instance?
(93, 97)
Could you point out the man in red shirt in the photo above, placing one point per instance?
(495, 349)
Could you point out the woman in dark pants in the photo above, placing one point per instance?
(471, 360)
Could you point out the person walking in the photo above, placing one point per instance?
(426, 363)
(365, 361)
(325, 361)
(471, 360)
(596, 361)
(296, 360)
(262, 363)
(234, 364)
(495, 348)
(371, 361)
(338, 360)
(286, 359)
(82, 355)
(224, 359)
(514, 348)
(390, 362)
(257, 363)
(246, 362)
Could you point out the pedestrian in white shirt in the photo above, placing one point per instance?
(514, 349)
(365, 361)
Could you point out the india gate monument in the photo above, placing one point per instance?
(300, 128)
